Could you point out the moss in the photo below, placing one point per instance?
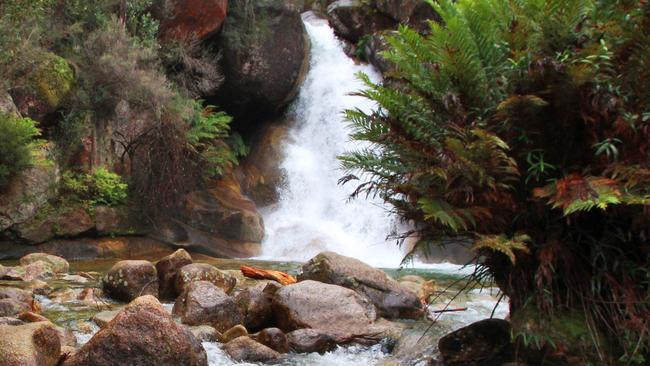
(53, 79)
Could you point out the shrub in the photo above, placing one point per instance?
(524, 126)
(17, 142)
(99, 188)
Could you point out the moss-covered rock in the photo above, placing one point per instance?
(50, 81)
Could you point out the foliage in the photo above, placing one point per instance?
(17, 143)
(524, 126)
(99, 188)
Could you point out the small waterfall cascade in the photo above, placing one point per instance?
(314, 213)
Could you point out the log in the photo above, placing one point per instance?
(449, 310)
(267, 274)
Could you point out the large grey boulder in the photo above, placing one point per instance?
(354, 19)
(143, 333)
(391, 299)
(330, 308)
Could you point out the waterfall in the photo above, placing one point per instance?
(314, 213)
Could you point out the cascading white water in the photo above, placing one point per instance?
(314, 213)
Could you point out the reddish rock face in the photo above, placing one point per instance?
(186, 19)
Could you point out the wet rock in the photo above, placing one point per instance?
(391, 299)
(104, 317)
(246, 349)
(353, 19)
(143, 333)
(183, 20)
(373, 49)
(31, 317)
(129, 279)
(86, 296)
(235, 332)
(38, 270)
(218, 221)
(273, 338)
(167, 269)
(75, 278)
(206, 333)
(311, 304)
(58, 264)
(204, 303)
(263, 175)
(256, 304)
(29, 344)
(486, 342)
(264, 67)
(7, 320)
(310, 340)
(203, 272)
(38, 287)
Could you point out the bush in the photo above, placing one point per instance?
(525, 127)
(17, 143)
(99, 188)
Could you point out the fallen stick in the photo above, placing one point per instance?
(266, 274)
(449, 310)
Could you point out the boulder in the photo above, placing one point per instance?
(354, 19)
(129, 279)
(14, 301)
(27, 192)
(29, 344)
(48, 84)
(7, 105)
(58, 264)
(203, 303)
(115, 221)
(331, 308)
(273, 338)
(143, 333)
(183, 20)
(38, 270)
(256, 304)
(167, 269)
(218, 221)
(400, 10)
(73, 221)
(203, 272)
(246, 349)
(266, 56)
(310, 340)
(373, 49)
(235, 332)
(486, 342)
(391, 299)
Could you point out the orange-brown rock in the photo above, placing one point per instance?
(189, 19)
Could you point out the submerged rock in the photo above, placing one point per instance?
(204, 303)
(335, 309)
(273, 338)
(391, 299)
(310, 340)
(167, 269)
(129, 279)
(58, 264)
(246, 349)
(486, 342)
(203, 272)
(29, 344)
(142, 334)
